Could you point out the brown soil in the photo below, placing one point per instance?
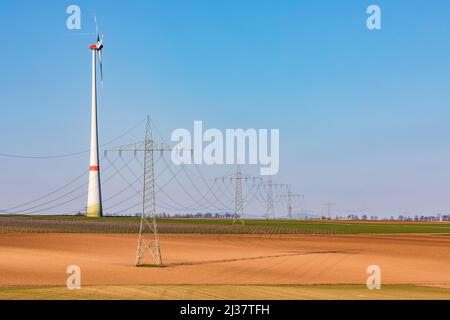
(108, 259)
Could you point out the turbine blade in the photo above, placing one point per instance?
(101, 66)
(96, 25)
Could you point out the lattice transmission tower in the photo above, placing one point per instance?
(238, 177)
(290, 200)
(148, 239)
(269, 189)
(329, 205)
(239, 200)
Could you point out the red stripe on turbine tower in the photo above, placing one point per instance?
(94, 168)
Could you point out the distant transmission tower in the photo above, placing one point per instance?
(270, 212)
(238, 201)
(329, 205)
(148, 232)
(290, 197)
(238, 177)
(269, 187)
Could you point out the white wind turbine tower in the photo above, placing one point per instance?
(94, 202)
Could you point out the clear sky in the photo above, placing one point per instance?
(363, 115)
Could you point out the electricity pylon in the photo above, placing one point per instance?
(238, 177)
(290, 197)
(148, 239)
(269, 187)
(239, 200)
(329, 205)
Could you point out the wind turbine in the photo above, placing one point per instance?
(94, 202)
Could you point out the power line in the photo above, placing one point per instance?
(47, 194)
(27, 211)
(68, 155)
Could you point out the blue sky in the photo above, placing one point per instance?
(363, 115)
